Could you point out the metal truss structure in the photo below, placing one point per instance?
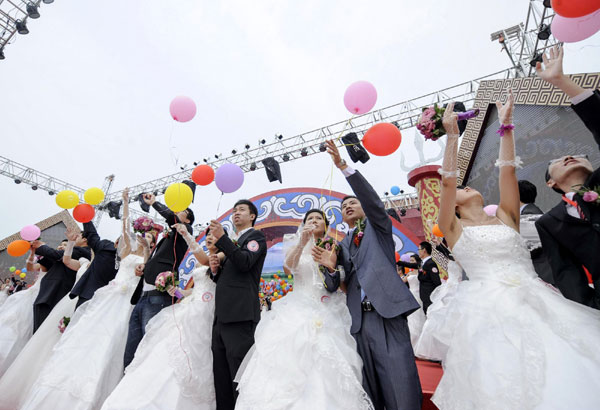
(14, 15)
(522, 42)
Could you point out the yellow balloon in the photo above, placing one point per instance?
(93, 196)
(22, 275)
(67, 199)
(178, 197)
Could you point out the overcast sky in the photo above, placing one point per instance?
(86, 93)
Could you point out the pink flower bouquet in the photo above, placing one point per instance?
(165, 280)
(430, 123)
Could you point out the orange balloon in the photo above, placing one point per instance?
(18, 272)
(382, 139)
(575, 8)
(83, 213)
(18, 248)
(437, 231)
(203, 175)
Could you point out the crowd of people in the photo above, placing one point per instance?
(101, 329)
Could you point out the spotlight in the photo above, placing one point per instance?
(253, 166)
(286, 157)
(233, 151)
(536, 58)
(32, 11)
(544, 33)
(2, 53)
(279, 137)
(262, 142)
(403, 212)
(322, 147)
(50, 193)
(17, 181)
(386, 193)
(401, 191)
(304, 152)
(195, 163)
(205, 159)
(182, 168)
(247, 146)
(48, 1)
(547, 3)
(34, 187)
(217, 156)
(21, 27)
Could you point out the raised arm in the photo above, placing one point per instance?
(293, 255)
(47, 252)
(193, 246)
(447, 220)
(369, 200)
(165, 212)
(67, 259)
(125, 228)
(508, 208)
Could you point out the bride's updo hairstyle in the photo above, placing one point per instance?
(318, 211)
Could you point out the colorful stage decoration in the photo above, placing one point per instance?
(281, 212)
(360, 97)
(382, 139)
(182, 109)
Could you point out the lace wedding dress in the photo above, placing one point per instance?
(513, 342)
(415, 320)
(87, 362)
(304, 356)
(172, 367)
(20, 377)
(16, 323)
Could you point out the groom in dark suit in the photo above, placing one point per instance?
(237, 305)
(166, 256)
(59, 279)
(101, 270)
(429, 275)
(377, 299)
(570, 232)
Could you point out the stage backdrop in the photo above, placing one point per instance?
(281, 212)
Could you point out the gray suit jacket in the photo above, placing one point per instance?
(372, 266)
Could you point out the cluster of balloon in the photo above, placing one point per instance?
(575, 20)
(381, 139)
(85, 212)
(276, 288)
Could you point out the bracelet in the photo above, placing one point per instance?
(505, 128)
(517, 163)
(448, 174)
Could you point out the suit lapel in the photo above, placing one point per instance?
(242, 238)
(560, 212)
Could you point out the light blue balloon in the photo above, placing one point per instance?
(24, 270)
(395, 190)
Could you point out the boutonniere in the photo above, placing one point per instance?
(589, 194)
(235, 242)
(359, 232)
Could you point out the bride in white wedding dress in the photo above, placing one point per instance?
(512, 341)
(304, 356)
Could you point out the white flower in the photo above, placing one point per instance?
(318, 323)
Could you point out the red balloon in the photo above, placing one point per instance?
(18, 248)
(382, 139)
(575, 8)
(83, 213)
(203, 175)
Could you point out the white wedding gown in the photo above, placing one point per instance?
(87, 362)
(19, 379)
(3, 296)
(415, 320)
(304, 356)
(513, 341)
(16, 323)
(172, 367)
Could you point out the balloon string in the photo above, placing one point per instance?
(219, 205)
(173, 148)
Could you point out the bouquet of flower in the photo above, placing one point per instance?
(328, 243)
(165, 280)
(63, 323)
(143, 224)
(359, 232)
(430, 123)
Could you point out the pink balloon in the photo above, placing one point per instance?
(360, 97)
(229, 178)
(491, 210)
(182, 109)
(30, 232)
(572, 30)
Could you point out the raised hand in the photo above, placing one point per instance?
(306, 233)
(141, 240)
(181, 229)
(216, 229)
(36, 244)
(450, 121)
(333, 151)
(505, 112)
(149, 199)
(72, 234)
(553, 65)
(126, 195)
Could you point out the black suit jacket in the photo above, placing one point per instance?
(571, 243)
(59, 279)
(102, 269)
(429, 279)
(531, 209)
(238, 279)
(167, 255)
